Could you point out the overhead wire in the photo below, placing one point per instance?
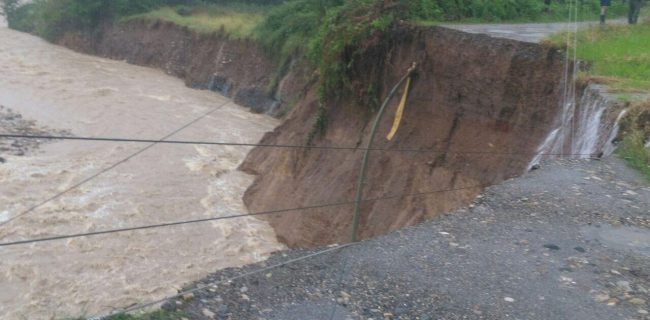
(287, 146)
(164, 141)
(261, 213)
(111, 167)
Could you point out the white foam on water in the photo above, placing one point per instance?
(96, 97)
(4, 216)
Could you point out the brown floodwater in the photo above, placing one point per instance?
(90, 96)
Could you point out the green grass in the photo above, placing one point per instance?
(618, 55)
(621, 53)
(634, 152)
(237, 21)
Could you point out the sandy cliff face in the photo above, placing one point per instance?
(493, 98)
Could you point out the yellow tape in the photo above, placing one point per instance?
(400, 111)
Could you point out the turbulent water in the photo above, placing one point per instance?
(89, 96)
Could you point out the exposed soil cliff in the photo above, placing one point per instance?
(483, 106)
(237, 68)
(493, 98)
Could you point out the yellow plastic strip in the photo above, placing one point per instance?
(400, 111)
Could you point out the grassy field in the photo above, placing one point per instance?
(618, 54)
(237, 21)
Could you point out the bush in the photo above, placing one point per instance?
(51, 18)
(9, 8)
(292, 27)
(635, 153)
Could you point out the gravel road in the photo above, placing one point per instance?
(568, 241)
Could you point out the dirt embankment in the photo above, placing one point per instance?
(483, 105)
(492, 98)
(236, 68)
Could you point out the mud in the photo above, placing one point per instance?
(497, 98)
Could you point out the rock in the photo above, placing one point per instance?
(508, 299)
(208, 313)
(612, 302)
(551, 246)
(398, 311)
(642, 311)
(243, 289)
(579, 249)
(2, 160)
(602, 297)
(188, 296)
(623, 286)
(223, 310)
(637, 301)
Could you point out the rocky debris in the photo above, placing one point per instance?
(511, 260)
(13, 123)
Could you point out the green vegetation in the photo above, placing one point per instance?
(9, 8)
(238, 21)
(332, 35)
(633, 150)
(50, 19)
(635, 130)
(618, 55)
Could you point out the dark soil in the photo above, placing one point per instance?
(568, 241)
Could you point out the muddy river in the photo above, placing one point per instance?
(89, 96)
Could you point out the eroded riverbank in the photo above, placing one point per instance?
(89, 96)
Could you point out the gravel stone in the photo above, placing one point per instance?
(414, 273)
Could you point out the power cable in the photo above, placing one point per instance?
(131, 156)
(176, 223)
(287, 146)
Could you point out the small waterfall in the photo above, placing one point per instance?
(610, 147)
(583, 130)
(588, 124)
